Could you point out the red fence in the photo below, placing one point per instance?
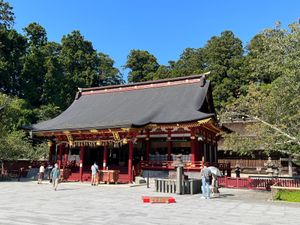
(168, 165)
(258, 183)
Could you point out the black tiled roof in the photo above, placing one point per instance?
(133, 108)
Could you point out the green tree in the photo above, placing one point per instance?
(83, 66)
(191, 62)
(277, 104)
(79, 61)
(54, 81)
(142, 64)
(108, 74)
(265, 60)
(164, 72)
(277, 109)
(46, 112)
(7, 17)
(16, 145)
(224, 58)
(33, 72)
(12, 49)
(14, 113)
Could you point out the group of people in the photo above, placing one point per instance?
(54, 175)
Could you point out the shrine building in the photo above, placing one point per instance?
(135, 128)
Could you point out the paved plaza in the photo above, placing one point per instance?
(75, 203)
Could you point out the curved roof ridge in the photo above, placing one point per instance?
(169, 80)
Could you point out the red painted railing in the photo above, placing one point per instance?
(258, 183)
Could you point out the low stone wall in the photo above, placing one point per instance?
(169, 174)
(189, 186)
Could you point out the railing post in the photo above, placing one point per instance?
(169, 145)
(249, 183)
(130, 152)
(81, 162)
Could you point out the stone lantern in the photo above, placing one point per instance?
(178, 164)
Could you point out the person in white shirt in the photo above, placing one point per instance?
(94, 169)
(41, 174)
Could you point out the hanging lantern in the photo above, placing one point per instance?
(98, 143)
(125, 141)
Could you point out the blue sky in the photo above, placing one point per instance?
(163, 27)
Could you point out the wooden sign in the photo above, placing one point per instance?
(158, 199)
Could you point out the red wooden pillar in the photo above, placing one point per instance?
(193, 146)
(81, 154)
(130, 152)
(216, 150)
(66, 155)
(104, 157)
(211, 149)
(169, 145)
(51, 150)
(61, 149)
(200, 147)
(148, 145)
(206, 149)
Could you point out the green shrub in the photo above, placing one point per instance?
(288, 195)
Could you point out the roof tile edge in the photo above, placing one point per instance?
(143, 85)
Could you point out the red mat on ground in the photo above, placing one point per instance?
(158, 199)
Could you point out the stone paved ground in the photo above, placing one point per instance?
(74, 203)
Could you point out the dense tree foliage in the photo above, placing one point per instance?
(33, 71)
(47, 74)
(39, 79)
(15, 144)
(274, 99)
(142, 66)
(7, 16)
(84, 67)
(224, 57)
(12, 50)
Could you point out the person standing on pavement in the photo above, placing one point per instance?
(41, 173)
(205, 178)
(55, 174)
(94, 169)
